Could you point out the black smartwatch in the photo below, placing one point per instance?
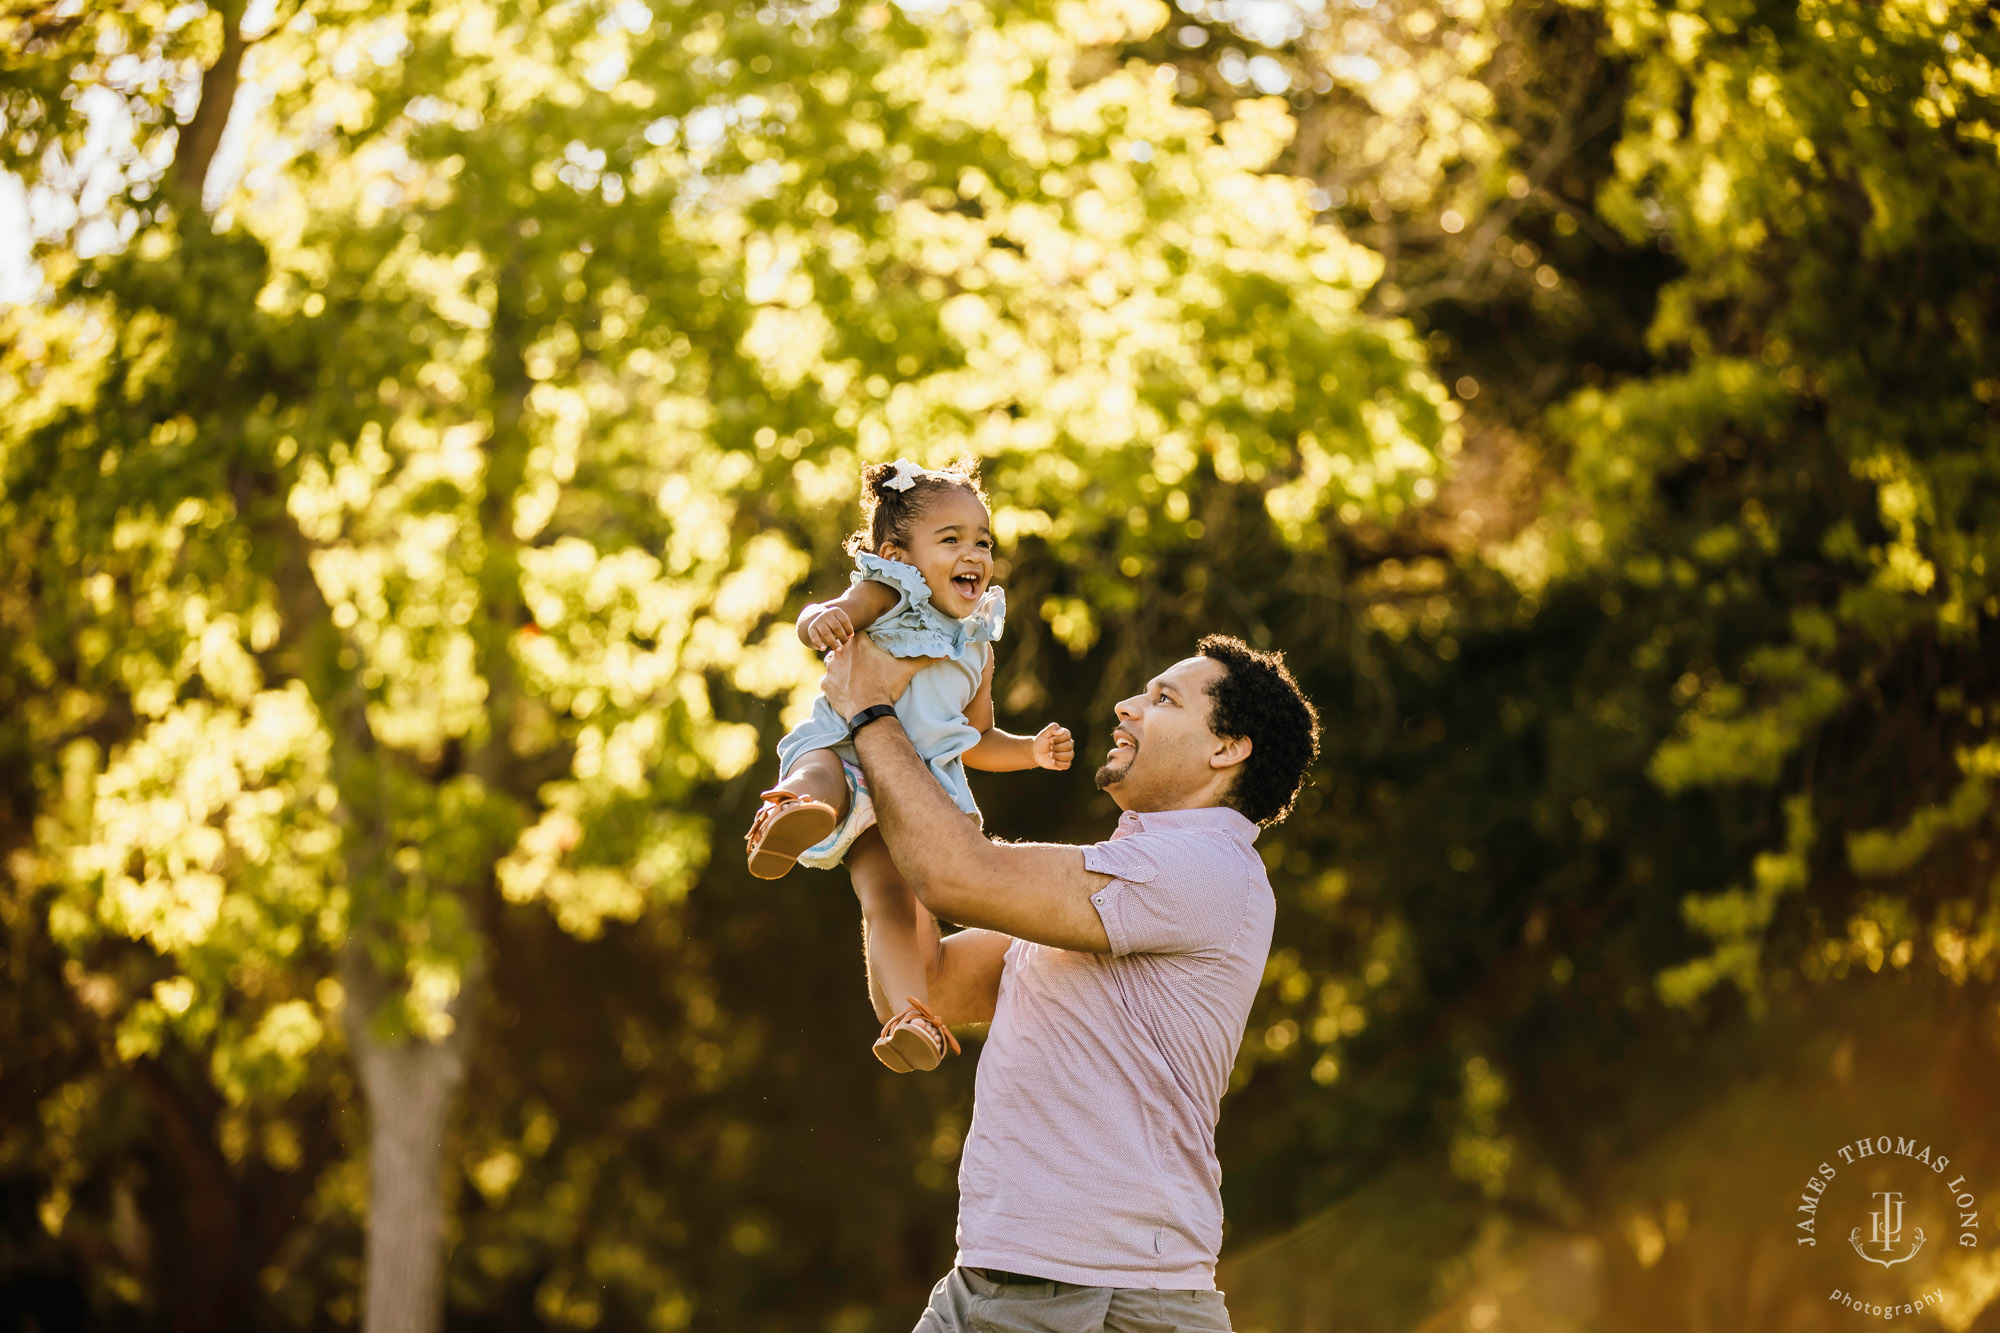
(867, 715)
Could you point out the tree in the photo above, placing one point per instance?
(1826, 177)
(1692, 702)
(386, 521)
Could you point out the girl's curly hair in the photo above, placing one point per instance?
(887, 515)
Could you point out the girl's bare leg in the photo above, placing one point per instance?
(896, 930)
(818, 774)
(785, 827)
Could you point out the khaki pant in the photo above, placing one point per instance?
(966, 1302)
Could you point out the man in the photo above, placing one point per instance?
(1117, 978)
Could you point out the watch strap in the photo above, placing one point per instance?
(869, 714)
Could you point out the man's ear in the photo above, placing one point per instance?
(1229, 752)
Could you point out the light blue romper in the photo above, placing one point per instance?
(932, 710)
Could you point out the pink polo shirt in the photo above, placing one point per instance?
(1091, 1157)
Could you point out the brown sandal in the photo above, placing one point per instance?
(786, 825)
(915, 1040)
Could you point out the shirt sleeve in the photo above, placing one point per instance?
(1165, 896)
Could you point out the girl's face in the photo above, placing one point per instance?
(951, 544)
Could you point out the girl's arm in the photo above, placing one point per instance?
(828, 624)
(1002, 752)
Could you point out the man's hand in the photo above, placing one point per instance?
(829, 629)
(859, 673)
(1054, 748)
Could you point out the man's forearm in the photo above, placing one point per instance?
(929, 837)
(1033, 891)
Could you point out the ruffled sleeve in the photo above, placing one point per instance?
(989, 619)
(907, 580)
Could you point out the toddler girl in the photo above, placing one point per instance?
(923, 560)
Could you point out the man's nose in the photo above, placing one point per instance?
(1127, 709)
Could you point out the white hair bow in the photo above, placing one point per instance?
(907, 474)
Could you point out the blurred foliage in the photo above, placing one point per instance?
(405, 488)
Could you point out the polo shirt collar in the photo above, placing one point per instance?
(1211, 818)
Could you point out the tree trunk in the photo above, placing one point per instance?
(201, 1266)
(410, 1086)
(202, 135)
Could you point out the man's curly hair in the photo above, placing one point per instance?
(1256, 697)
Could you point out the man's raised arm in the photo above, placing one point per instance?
(1034, 891)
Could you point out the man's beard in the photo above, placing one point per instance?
(1112, 772)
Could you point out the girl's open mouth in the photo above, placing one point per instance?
(968, 584)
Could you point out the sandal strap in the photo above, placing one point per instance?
(774, 801)
(920, 1012)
